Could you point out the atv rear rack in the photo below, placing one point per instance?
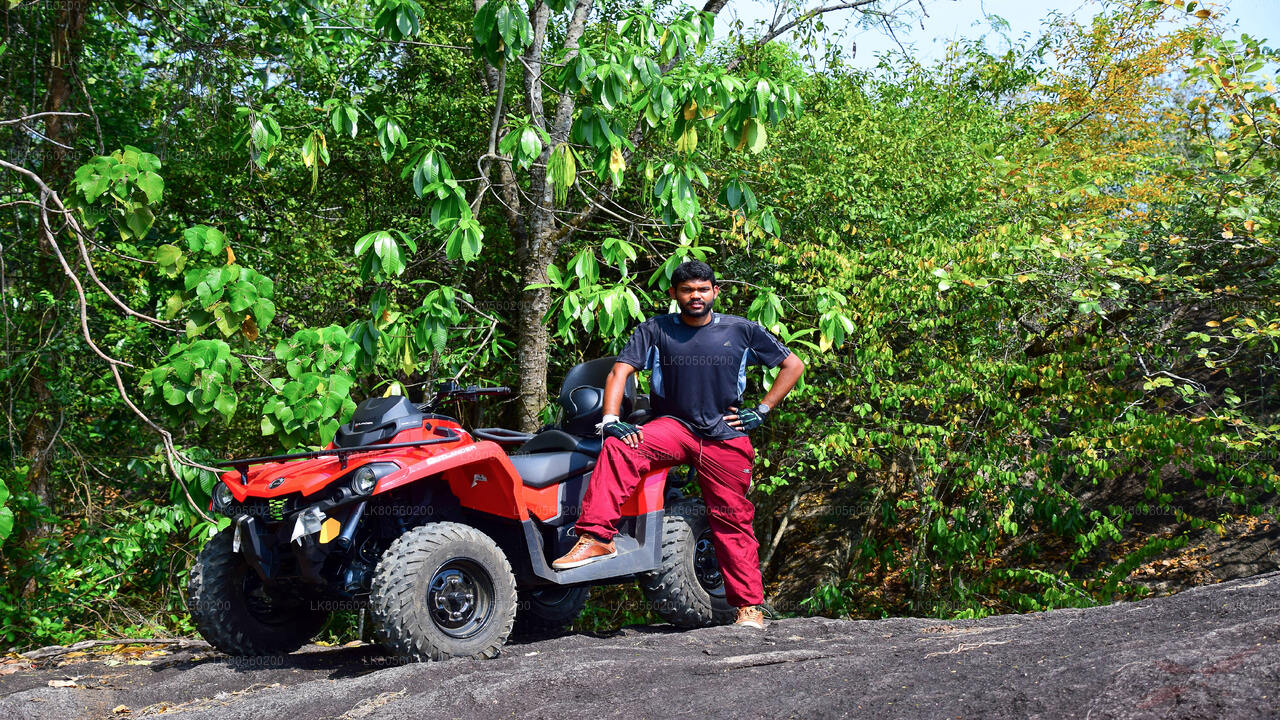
(243, 465)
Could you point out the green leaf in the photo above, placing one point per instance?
(151, 184)
(139, 221)
(170, 260)
(264, 311)
(6, 522)
(225, 403)
(173, 395)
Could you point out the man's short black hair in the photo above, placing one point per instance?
(693, 270)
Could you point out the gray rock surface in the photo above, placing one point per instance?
(1209, 652)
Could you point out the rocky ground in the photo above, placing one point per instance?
(1209, 652)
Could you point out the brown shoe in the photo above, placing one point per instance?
(750, 616)
(588, 550)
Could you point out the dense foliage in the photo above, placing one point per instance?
(1036, 290)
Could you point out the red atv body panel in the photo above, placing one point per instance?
(479, 474)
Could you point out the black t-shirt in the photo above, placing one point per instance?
(699, 372)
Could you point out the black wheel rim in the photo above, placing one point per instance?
(460, 598)
(706, 567)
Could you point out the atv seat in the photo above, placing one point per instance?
(548, 468)
(561, 441)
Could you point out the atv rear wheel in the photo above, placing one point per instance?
(237, 613)
(687, 589)
(549, 609)
(443, 590)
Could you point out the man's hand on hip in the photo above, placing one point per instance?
(747, 419)
(613, 426)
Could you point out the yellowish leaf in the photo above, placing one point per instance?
(231, 256)
(250, 328)
(691, 110)
(688, 141)
(1203, 14)
(617, 163)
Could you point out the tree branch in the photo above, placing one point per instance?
(171, 453)
(775, 31)
(563, 117)
(24, 118)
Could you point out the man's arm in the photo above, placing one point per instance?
(789, 373)
(614, 387)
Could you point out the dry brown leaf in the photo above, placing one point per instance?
(120, 709)
(64, 683)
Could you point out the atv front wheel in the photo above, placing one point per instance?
(687, 589)
(237, 613)
(550, 609)
(443, 590)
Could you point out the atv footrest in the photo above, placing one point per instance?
(634, 556)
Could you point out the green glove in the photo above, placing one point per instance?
(751, 418)
(624, 431)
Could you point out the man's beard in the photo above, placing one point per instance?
(706, 308)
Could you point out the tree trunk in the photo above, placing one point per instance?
(63, 56)
(37, 447)
(533, 338)
(40, 433)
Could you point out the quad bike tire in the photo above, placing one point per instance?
(237, 614)
(549, 610)
(443, 590)
(687, 589)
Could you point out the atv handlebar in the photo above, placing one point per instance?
(450, 389)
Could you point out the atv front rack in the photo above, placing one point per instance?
(449, 435)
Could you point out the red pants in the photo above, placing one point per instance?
(724, 474)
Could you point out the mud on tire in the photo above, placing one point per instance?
(547, 610)
(687, 589)
(443, 590)
(238, 615)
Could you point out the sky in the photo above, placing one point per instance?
(949, 20)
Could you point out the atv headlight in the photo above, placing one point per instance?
(222, 496)
(364, 480)
(366, 477)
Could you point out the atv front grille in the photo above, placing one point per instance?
(266, 509)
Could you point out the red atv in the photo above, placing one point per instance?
(445, 536)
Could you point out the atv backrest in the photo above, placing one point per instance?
(582, 396)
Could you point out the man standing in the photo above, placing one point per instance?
(698, 359)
